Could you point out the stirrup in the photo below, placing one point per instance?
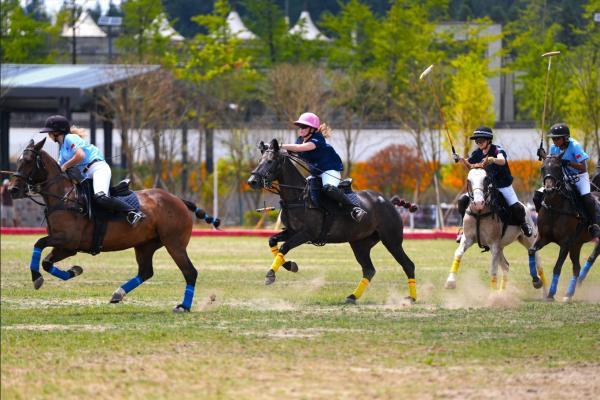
(358, 214)
(133, 217)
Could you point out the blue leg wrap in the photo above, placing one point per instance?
(553, 285)
(36, 255)
(571, 288)
(188, 296)
(59, 273)
(132, 284)
(585, 270)
(532, 267)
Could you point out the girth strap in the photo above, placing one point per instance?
(478, 218)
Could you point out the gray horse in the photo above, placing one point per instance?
(482, 225)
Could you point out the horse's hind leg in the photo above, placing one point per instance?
(179, 254)
(574, 255)
(143, 255)
(362, 252)
(588, 264)
(394, 245)
(505, 265)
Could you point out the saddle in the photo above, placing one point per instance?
(99, 215)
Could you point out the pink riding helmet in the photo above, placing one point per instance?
(309, 119)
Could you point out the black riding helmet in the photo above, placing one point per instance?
(57, 123)
(483, 132)
(559, 130)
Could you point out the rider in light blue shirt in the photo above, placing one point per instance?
(68, 149)
(574, 169)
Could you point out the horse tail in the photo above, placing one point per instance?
(201, 214)
(398, 202)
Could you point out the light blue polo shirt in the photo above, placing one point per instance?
(573, 152)
(71, 144)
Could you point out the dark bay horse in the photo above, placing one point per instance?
(559, 222)
(167, 223)
(302, 224)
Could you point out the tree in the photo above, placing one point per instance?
(266, 20)
(25, 39)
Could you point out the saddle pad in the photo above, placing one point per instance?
(131, 199)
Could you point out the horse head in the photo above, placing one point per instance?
(552, 173)
(269, 167)
(478, 186)
(30, 170)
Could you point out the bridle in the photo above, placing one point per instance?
(268, 178)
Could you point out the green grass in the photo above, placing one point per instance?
(294, 339)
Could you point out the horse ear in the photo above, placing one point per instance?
(31, 143)
(262, 147)
(38, 146)
(275, 144)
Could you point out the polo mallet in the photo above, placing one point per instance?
(549, 56)
(437, 102)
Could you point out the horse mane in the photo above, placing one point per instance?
(293, 161)
(48, 160)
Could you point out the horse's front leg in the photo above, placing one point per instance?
(55, 255)
(588, 264)
(273, 241)
(293, 241)
(465, 243)
(562, 256)
(537, 281)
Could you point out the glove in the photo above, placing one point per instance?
(565, 163)
(541, 153)
(455, 157)
(488, 160)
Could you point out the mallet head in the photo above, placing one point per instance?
(426, 72)
(551, 53)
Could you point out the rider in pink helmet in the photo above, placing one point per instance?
(322, 159)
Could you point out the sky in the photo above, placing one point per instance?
(52, 6)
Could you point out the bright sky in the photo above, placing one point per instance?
(54, 5)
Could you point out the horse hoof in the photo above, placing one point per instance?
(180, 308)
(450, 285)
(350, 300)
(537, 283)
(567, 299)
(76, 270)
(410, 299)
(290, 266)
(38, 282)
(549, 299)
(117, 296)
(270, 277)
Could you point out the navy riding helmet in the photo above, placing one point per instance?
(483, 132)
(559, 130)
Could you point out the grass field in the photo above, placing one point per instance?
(295, 340)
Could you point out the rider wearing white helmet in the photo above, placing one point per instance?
(322, 159)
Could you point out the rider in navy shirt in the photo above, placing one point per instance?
(322, 159)
(494, 160)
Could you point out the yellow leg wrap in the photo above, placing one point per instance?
(455, 265)
(362, 285)
(542, 276)
(494, 282)
(412, 288)
(503, 282)
(274, 250)
(277, 262)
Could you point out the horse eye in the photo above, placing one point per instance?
(269, 161)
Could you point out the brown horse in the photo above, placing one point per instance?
(559, 222)
(167, 223)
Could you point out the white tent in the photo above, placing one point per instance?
(84, 27)
(166, 30)
(237, 27)
(306, 28)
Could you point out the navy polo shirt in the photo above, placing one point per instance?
(322, 158)
(500, 174)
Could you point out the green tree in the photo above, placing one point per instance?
(266, 20)
(24, 38)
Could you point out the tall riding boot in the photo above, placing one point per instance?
(357, 213)
(116, 205)
(590, 209)
(518, 212)
(538, 198)
(462, 204)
